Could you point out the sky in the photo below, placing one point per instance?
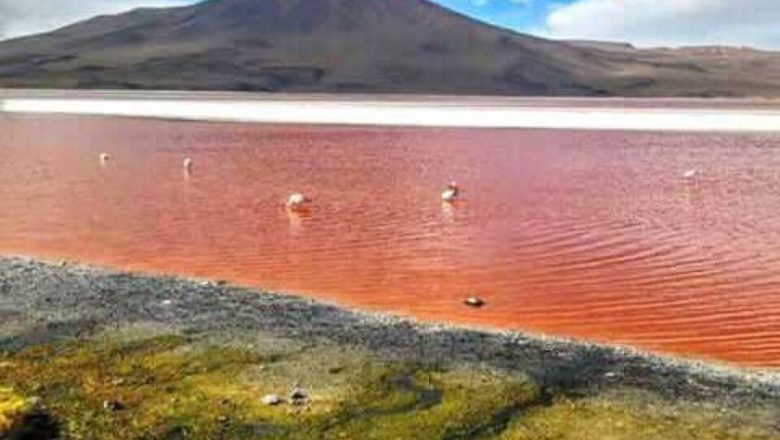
(645, 23)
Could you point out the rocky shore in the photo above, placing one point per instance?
(43, 304)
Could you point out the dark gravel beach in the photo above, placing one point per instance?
(48, 302)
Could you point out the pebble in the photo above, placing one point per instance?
(112, 405)
(298, 396)
(35, 402)
(271, 400)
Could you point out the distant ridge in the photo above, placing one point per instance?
(376, 46)
(603, 45)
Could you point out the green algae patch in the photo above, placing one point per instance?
(636, 415)
(434, 405)
(171, 386)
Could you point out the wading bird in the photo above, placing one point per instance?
(297, 201)
(451, 193)
(188, 164)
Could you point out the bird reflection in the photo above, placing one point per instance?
(448, 212)
(297, 219)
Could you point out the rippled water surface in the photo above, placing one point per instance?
(588, 234)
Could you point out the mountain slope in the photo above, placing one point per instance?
(402, 46)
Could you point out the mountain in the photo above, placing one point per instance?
(377, 46)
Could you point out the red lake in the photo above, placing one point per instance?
(587, 234)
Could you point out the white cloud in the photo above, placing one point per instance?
(21, 17)
(669, 22)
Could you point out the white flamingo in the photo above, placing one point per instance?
(104, 158)
(188, 163)
(690, 174)
(297, 201)
(451, 193)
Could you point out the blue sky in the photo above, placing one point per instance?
(645, 23)
(523, 15)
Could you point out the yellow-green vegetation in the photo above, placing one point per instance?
(12, 406)
(634, 416)
(446, 405)
(154, 385)
(170, 386)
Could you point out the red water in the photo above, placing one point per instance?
(587, 234)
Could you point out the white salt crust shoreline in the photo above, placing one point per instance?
(410, 113)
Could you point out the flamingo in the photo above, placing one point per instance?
(451, 193)
(188, 164)
(690, 174)
(297, 201)
(104, 157)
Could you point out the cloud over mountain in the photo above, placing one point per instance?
(25, 17)
(670, 22)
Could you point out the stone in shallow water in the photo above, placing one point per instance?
(474, 301)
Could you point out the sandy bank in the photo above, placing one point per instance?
(585, 115)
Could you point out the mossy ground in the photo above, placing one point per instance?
(172, 386)
(163, 385)
(637, 416)
(12, 407)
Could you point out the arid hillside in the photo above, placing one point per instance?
(377, 46)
